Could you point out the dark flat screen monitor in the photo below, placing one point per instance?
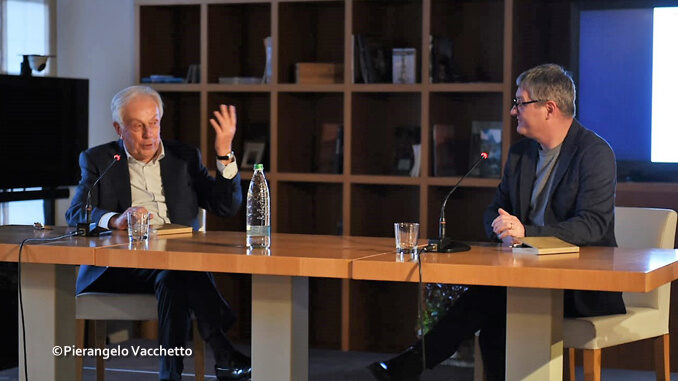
(43, 128)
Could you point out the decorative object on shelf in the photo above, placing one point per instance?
(416, 166)
(404, 65)
(444, 148)
(330, 154)
(162, 78)
(268, 70)
(319, 73)
(374, 59)
(193, 74)
(403, 155)
(486, 137)
(239, 80)
(442, 68)
(252, 154)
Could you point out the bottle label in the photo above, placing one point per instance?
(258, 230)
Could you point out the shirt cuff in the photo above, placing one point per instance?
(103, 222)
(227, 171)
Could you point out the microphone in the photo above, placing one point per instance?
(88, 228)
(446, 244)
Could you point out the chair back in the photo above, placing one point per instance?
(646, 228)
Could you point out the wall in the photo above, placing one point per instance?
(95, 40)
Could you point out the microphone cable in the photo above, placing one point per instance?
(21, 302)
(420, 304)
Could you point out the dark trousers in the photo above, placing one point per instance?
(480, 308)
(179, 293)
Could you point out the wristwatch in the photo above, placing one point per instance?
(229, 156)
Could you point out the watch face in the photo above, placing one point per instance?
(230, 170)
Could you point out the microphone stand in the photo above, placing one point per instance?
(89, 228)
(446, 244)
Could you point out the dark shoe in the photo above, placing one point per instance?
(238, 367)
(407, 366)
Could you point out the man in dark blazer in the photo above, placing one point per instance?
(560, 181)
(168, 180)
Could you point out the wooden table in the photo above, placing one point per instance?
(280, 288)
(534, 344)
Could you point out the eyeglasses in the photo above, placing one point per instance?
(519, 102)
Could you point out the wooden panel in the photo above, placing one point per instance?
(390, 202)
(169, 39)
(383, 316)
(300, 121)
(180, 111)
(476, 29)
(310, 208)
(235, 39)
(310, 32)
(377, 119)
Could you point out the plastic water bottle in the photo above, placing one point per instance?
(258, 211)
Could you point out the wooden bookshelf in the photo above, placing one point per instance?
(371, 191)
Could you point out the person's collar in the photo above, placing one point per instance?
(156, 158)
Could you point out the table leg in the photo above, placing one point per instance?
(279, 328)
(534, 334)
(49, 314)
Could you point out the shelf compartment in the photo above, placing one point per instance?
(391, 203)
(234, 223)
(384, 128)
(181, 109)
(169, 39)
(452, 115)
(308, 208)
(236, 34)
(475, 29)
(387, 25)
(310, 133)
(464, 212)
(253, 114)
(309, 32)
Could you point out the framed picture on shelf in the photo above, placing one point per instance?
(253, 153)
(486, 137)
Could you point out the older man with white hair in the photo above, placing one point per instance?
(167, 179)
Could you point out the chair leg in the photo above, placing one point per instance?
(662, 363)
(79, 343)
(199, 355)
(100, 342)
(570, 361)
(591, 364)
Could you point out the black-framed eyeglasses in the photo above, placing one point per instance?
(519, 102)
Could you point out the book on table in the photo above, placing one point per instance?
(165, 229)
(544, 245)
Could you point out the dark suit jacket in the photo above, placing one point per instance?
(186, 183)
(580, 208)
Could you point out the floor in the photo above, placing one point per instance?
(325, 365)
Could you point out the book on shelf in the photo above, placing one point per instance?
(329, 157)
(404, 65)
(162, 78)
(444, 149)
(165, 229)
(406, 137)
(544, 245)
(268, 69)
(416, 166)
(193, 74)
(374, 60)
(240, 80)
(486, 137)
(319, 73)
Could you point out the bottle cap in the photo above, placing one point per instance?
(258, 166)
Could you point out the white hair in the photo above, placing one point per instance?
(124, 96)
